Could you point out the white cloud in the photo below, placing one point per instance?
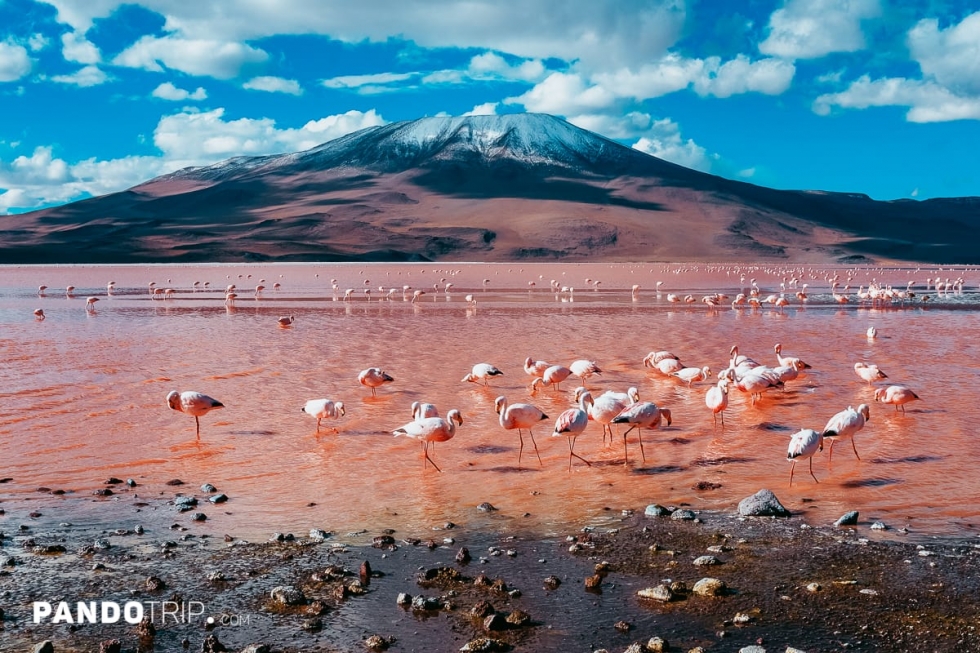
(77, 49)
(927, 100)
(915, 192)
(565, 94)
(168, 91)
(487, 109)
(37, 42)
(598, 35)
(768, 76)
(615, 126)
(951, 56)
(219, 59)
(358, 82)
(274, 85)
(14, 62)
(807, 29)
(669, 74)
(84, 77)
(185, 139)
(664, 141)
(492, 65)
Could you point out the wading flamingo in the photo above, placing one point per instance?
(431, 429)
(717, 400)
(519, 416)
(898, 395)
(869, 372)
(374, 378)
(571, 423)
(804, 444)
(846, 424)
(482, 372)
(193, 403)
(324, 408)
(641, 415)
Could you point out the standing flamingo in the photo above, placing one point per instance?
(519, 416)
(869, 372)
(641, 415)
(535, 368)
(571, 423)
(421, 410)
(323, 408)
(846, 424)
(584, 369)
(193, 403)
(804, 444)
(374, 378)
(482, 372)
(717, 400)
(431, 429)
(898, 395)
(788, 361)
(39, 314)
(552, 376)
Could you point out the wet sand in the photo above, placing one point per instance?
(788, 585)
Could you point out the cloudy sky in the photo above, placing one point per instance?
(871, 96)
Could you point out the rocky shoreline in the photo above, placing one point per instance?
(667, 579)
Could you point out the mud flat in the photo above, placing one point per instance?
(785, 585)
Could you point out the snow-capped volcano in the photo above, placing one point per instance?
(491, 188)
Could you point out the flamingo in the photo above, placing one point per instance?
(421, 410)
(872, 333)
(641, 415)
(193, 403)
(322, 408)
(286, 320)
(535, 368)
(788, 360)
(584, 369)
(717, 399)
(374, 378)
(654, 358)
(571, 423)
(38, 314)
(804, 444)
(869, 372)
(519, 416)
(431, 429)
(40, 290)
(230, 298)
(90, 304)
(603, 408)
(691, 374)
(846, 424)
(482, 372)
(898, 395)
(70, 291)
(553, 376)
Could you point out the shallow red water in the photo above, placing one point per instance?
(82, 394)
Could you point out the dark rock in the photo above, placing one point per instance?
(130, 482)
(383, 542)
(112, 480)
(404, 599)
(552, 582)
(199, 516)
(44, 647)
(683, 515)
(207, 488)
(364, 573)
(212, 645)
(287, 595)
(657, 593)
(257, 648)
(593, 582)
(102, 544)
(379, 642)
(623, 626)
(154, 584)
(495, 622)
(218, 498)
(317, 534)
(656, 510)
(317, 607)
(175, 481)
(426, 604)
(485, 507)
(145, 629)
(762, 504)
(439, 575)
(48, 549)
(486, 645)
(314, 625)
(482, 610)
(463, 556)
(498, 585)
(110, 646)
(847, 519)
(103, 492)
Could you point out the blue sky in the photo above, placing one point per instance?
(868, 96)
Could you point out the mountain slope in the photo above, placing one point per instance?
(491, 188)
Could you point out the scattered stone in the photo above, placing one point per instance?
(552, 582)
(313, 625)
(218, 498)
(518, 618)
(183, 504)
(593, 582)
(145, 629)
(112, 480)
(710, 587)
(383, 542)
(486, 645)
(139, 530)
(173, 482)
(869, 592)
(216, 577)
(102, 544)
(47, 549)
(44, 647)
(847, 519)
(199, 516)
(378, 642)
(318, 534)
(438, 576)
(705, 485)
(814, 587)
(256, 648)
(482, 610)
(316, 607)
(130, 482)
(287, 595)
(463, 556)
(704, 561)
(404, 599)
(364, 573)
(762, 504)
(623, 626)
(878, 526)
(658, 593)
(154, 584)
(212, 645)
(741, 618)
(110, 646)
(752, 649)
(485, 507)
(207, 488)
(657, 645)
(426, 604)
(683, 515)
(656, 510)
(103, 492)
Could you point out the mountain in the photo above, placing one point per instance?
(490, 188)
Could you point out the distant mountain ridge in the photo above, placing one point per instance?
(493, 188)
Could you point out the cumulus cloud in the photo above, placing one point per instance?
(168, 91)
(14, 62)
(492, 65)
(77, 49)
(219, 59)
(368, 84)
(187, 138)
(599, 35)
(664, 141)
(808, 29)
(565, 94)
(740, 75)
(487, 109)
(927, 100)
(274, 85)
(37, 42)
(951, 56)
(87, 76)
